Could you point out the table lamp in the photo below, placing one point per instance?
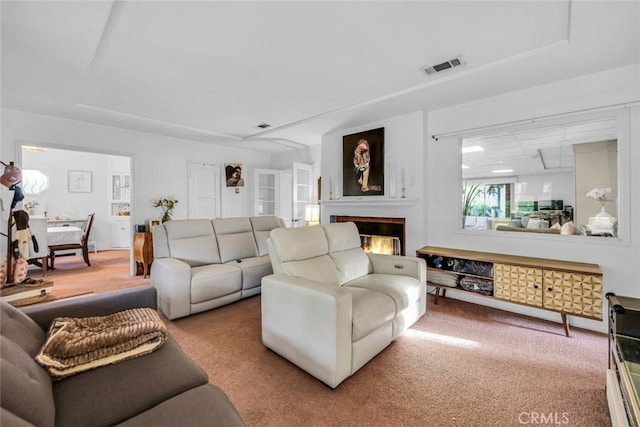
(312, 214)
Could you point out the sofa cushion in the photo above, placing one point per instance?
(253, 270)
(129, 387)
(262, 226)
(192, 241)
(370, 310)
(206, 405)
(404, 290)
(342, 236)
(214, 281)
(320, 269)
(8, 418)
(296, 244)
(21, 329)
(351, 264)
(25, 389)
(235, 238)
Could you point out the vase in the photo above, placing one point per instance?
(166, 217)
(603, 213)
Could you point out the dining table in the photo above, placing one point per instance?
(64, 235)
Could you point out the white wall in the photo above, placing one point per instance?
(404, 147)
(58, 201)
(619, 259)
(159, 162)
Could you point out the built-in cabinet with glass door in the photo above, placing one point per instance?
(119, 202)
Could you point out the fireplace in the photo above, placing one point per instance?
(378, 234)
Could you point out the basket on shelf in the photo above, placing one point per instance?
(444, 278)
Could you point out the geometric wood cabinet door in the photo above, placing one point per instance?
(573, 293)
(518, 284)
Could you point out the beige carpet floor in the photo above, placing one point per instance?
(461, 365)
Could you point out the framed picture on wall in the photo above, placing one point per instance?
(363, 163)
(234, 174)
(79, 181)
(153, 222)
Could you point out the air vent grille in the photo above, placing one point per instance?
(455, 62)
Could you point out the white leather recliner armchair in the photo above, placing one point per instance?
(330, 307)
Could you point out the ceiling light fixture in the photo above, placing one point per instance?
(264, 125)
(502, 171)
(472, 149)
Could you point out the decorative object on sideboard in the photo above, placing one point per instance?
(153, 222)
(30, 206)
(602, 223)
(167, 204)
(600, 194)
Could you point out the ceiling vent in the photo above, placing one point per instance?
(444, 66)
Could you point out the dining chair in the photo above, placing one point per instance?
(82, 244)
(40, 257)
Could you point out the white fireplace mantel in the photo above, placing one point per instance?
(368, 202)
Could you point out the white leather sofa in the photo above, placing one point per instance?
(201, 264)
(330, 307)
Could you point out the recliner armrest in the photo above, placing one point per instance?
(309, 323)
(172, 279)
(399, 265)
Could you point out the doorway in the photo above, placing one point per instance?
(106, 189)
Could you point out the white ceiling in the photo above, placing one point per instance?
(212, 71)
(544, 149)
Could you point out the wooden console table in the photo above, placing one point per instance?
(143, 251)
(568, 288)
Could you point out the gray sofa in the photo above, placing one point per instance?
(163, 388)
(201, 264)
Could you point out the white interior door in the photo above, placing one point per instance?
(302, 191)
(204, 190)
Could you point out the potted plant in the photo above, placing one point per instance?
(469, 194)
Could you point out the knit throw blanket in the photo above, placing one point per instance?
(76, 345)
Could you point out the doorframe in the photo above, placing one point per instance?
(20, 143)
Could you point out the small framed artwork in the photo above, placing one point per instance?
(234, 174)
(153, 222)
(79, 181)
(363, 163)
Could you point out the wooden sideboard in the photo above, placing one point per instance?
(143, 251)
(568, 288)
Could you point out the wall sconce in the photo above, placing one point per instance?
(312, 214)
